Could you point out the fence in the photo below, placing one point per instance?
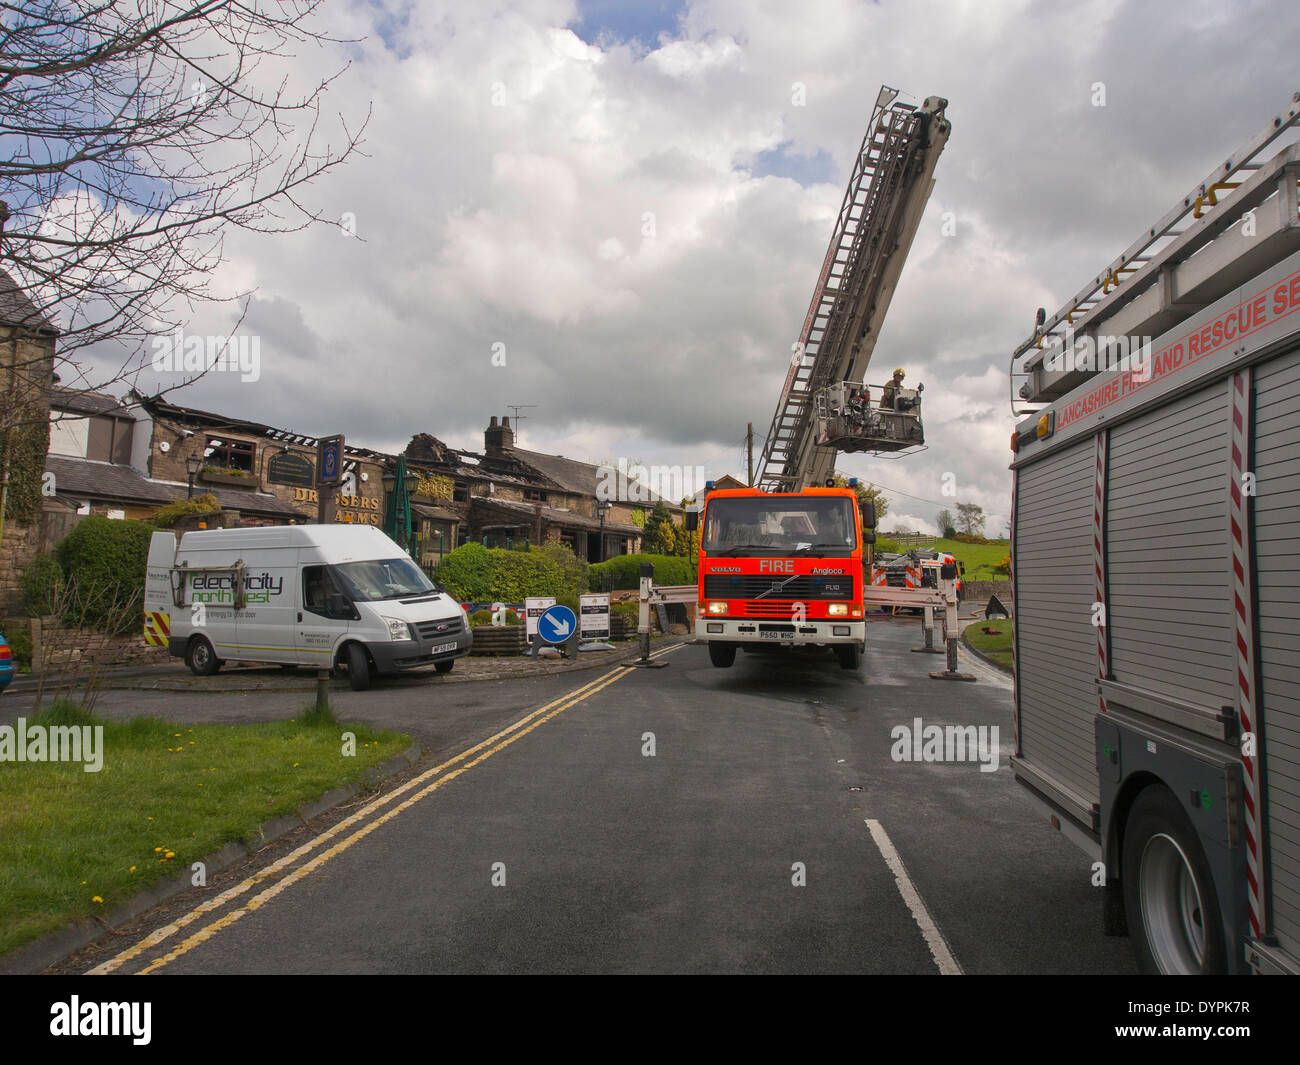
(910, 539)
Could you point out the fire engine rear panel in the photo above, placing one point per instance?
(1277, 540)
(1056, 641)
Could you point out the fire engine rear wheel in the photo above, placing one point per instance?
(358, 667)
(849, 654)
(722, 655)
(1169, 897)
(201, 658)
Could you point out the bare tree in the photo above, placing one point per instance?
(136, 134)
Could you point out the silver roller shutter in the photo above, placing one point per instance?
(1277, 541)
(1169, 554)
(1055, 590)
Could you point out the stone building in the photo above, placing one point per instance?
(27, 342)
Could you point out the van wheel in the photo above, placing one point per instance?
(1169, 898)
(444, 667)
(201, 658)
(722, 655)
(849, 654)
(358, 668)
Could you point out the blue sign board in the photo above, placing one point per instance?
(557, 624)
(331, 460)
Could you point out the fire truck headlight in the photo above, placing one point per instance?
(717, 608)
(838, 610)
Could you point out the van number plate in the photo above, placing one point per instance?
(442, 647)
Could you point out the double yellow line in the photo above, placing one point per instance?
(369, 818)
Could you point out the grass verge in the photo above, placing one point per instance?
(996, 647)
(75, 844)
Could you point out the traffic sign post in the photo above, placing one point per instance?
(534, 607)
(557, 625)
(593, 625)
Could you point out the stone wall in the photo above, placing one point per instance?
(979, 591)
(21, 544)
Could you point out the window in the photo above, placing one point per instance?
(534, 495)
(227, 454)
(460, 492)
(109, 440)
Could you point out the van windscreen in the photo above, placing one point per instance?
(389, 578)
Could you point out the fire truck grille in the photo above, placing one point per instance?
(801, 589)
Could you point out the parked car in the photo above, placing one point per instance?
(6, 663)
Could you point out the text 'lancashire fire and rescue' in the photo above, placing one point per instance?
(1247, 317)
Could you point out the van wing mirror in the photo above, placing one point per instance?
(338, 606)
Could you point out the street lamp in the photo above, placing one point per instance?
(602, 508)
(192, 465)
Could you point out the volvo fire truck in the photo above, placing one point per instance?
(1156, 528)
(787, 563)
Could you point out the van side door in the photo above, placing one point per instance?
(324, 615)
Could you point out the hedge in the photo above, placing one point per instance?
(105, 562)
(625, 571)
(474, 573)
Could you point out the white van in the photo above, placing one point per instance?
(322, 596)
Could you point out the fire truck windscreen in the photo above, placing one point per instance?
(748, 525)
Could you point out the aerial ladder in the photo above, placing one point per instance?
(823, 407)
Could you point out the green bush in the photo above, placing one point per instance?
(467, 573)
(575, 570)
(42, 583)
(625, 571)
(474, 573)
(105, 563)
(168, 516)
(484, 617)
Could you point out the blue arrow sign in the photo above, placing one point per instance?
(556, 624)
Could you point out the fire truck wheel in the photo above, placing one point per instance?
(849, 654)
(201, 658)
(1169, 897)
(722, 655)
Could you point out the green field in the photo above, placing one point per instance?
(997, 648)
(75, 844)
(979, 558)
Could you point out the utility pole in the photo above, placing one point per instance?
(749, 454)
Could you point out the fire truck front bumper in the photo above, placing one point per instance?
(796, 634)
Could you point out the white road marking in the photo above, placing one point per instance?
(939, 951)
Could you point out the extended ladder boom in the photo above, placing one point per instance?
(887, 193)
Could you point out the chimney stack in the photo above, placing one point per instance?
(498, 438)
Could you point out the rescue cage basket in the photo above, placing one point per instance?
(878, 418)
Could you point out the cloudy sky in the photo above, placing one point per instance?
(629, 199)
